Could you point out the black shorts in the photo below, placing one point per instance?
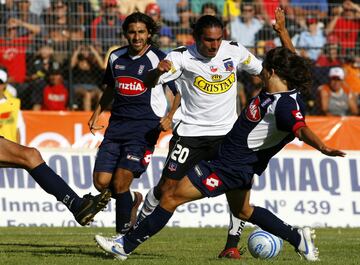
(185, 152)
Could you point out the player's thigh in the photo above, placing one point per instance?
(239, 203)
(183, 191)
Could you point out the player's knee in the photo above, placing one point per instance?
(246, 212)
(100, 184)
(32, 157)
(169, 201)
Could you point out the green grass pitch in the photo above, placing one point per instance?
(71, 246)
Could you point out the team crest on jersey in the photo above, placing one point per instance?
(130, 86)
(253, 110)
(297, 115)
(229, 66)
(212, 182)
(141, 69)
(214, 87)
(172, 166)
(213, 68)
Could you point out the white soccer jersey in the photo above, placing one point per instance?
(208, 87)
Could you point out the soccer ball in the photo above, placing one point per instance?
(264, 245)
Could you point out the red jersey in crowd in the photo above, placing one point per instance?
(55, 97)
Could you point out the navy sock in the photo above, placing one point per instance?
(147, 228)
(272, 224)
(52, 183)
(124, 204)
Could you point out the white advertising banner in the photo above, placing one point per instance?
(301, 187)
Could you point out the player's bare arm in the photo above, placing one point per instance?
(105, 100)
(152, 76)
(166, 121)
(280, 27)
(308, 136)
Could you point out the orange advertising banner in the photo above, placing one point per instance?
(70, 129)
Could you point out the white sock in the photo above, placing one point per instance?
(148, 207)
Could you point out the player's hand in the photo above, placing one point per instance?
(165, 123)
(92, 125)
(279, 24)
(332, 152)
(164, 66)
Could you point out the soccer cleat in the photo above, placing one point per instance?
(91, 205)
(112, 245)
(137, 201)
(306, 248)
(230, 253)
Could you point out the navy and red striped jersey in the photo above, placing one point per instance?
(267, 124)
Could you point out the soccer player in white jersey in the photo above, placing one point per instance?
(272, 119)
(205, 76)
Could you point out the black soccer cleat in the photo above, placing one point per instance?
(91, 205)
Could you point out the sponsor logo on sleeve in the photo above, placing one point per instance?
(253, 110)
(248, 60)
(297, 115)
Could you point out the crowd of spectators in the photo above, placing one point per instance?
(56, 49)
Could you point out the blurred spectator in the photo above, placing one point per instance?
(55, 95)
(106, 28)
(196, 5)
(13, 52)
(27, 22)
(210, 9)
(266, 10)
(345, 25)
(245, 27)
(183, 32)
(39, 69)
(11, 119)
(231, 10)
(311, 41)
(309, 8)
(166, 37)
(168, 11)
(352, 71)
(61, 29)
(87, 64)
(330, 55)
(82, 13)
(335, 98)
(39, 7)
(127, 7)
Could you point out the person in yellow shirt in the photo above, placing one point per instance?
(11, 119)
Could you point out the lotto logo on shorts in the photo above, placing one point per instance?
(147, 157)
(212, 182)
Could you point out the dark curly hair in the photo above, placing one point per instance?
(151, 25)
(296, 70)
(203, 22)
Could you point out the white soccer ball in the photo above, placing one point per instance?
(263, 245)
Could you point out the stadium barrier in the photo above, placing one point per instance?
(302, 186)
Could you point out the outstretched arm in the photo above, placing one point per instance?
(152, 76)
(281, 30)
(306, 134)
(166, 122)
